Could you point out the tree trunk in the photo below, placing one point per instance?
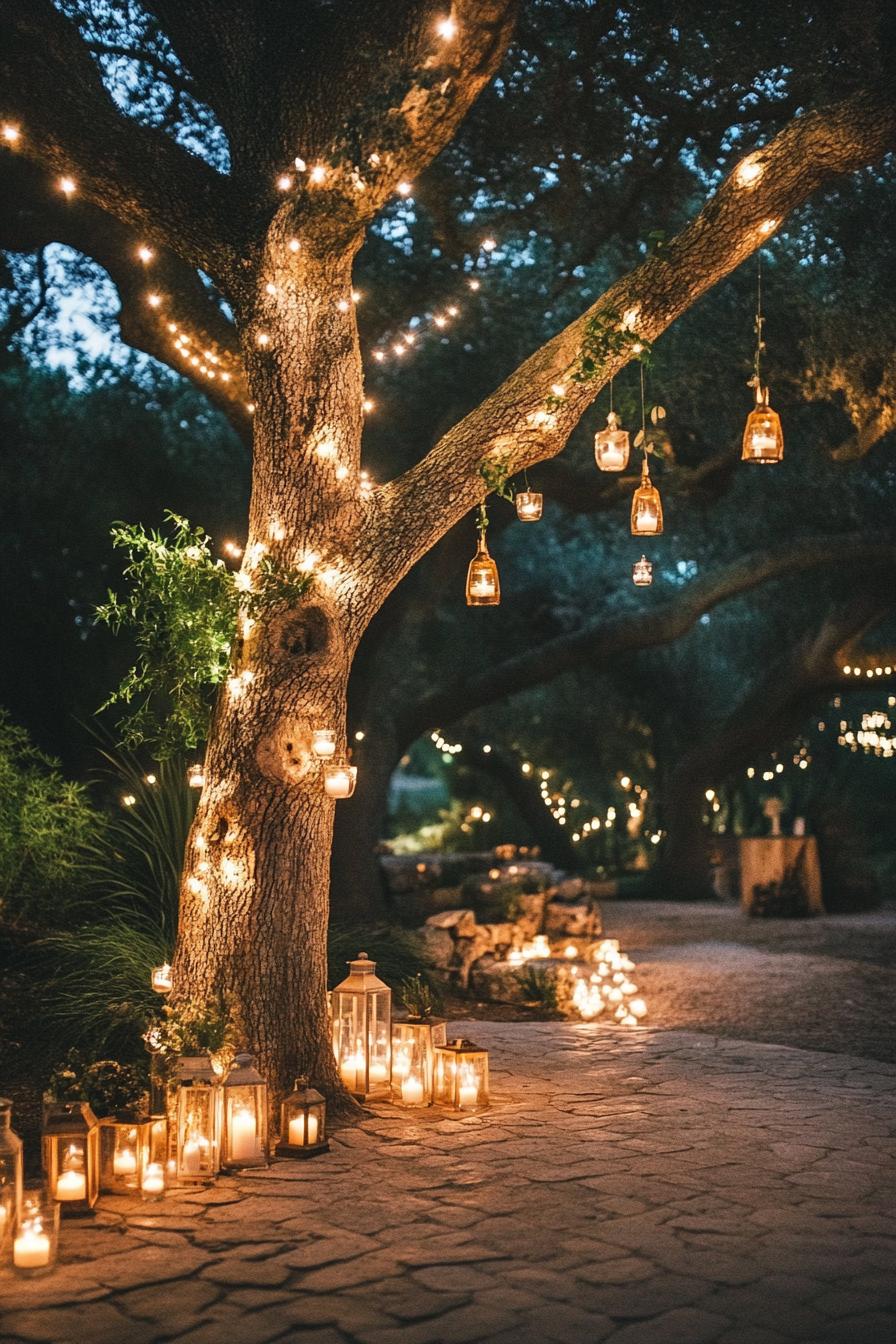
(683, 871)
(255, 897)
(356, 879)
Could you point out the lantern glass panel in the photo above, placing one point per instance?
(413, 1059)
(124, 1154)
(461, 1076)
(198, 1132)
(303, 1122)
(10, 1173)
(362, 1038)
(36, 1235)
(647, 510)
(763, 437)
(245, 1141)
(71, 1156)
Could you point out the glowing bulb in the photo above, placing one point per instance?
(343, 305)
(10, 133)
(145, 254)
(367, 404)
(318, 173)
(404, 188)
(379, 356)
(326, 449)
(474, 284)
(488, 244)
(446, 28)
(341, 472)
(748, 172)
(154, 300)
(270, 288)
(301, 165)
(558, 389)
(284, 182)
(68, 186)
(263, 338)
(768, 226)
(294, 244)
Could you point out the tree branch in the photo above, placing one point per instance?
(412, 511)
(135, 172)
(665, 620)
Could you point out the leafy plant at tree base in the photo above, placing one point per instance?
(192, 1026)
(182, 609)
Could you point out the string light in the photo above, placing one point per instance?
(318, 174)
(11, 133)
(285, 182)
(145, 254)
(446, 28)
(154, 300)
(404, 188)
(293, 244)
(748, 172)
(68, 186)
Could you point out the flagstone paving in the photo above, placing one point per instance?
(639, 1187)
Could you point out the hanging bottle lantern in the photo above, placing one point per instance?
(529, 504)
(483, 584)
(647, 508)
(642, 573)
(763, 438)
(611, 446)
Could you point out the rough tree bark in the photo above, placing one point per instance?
(282, 81)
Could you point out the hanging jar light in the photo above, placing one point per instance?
(483, 584)
(647, 508)
(529, 503)
(245, 1113)
(642, 573)
(763, 439)
(611, 446)
(196, 776)
(323, 743)
(340, 779)
(160, 978)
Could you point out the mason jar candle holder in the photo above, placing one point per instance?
(340, 779)
(36, 1236)
(323, 743)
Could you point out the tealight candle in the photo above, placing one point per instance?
(297, 1130)
(31, 1248)
(71, 1185)
(124, 1162)
(467, 1094)
(412, 1091)
(153, 1184)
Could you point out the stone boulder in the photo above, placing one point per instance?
(436, 946)
(528, 914)
(573, 920)
(458, 923)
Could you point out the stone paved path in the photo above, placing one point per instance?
(642, 1188)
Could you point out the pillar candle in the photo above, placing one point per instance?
(31, 1249)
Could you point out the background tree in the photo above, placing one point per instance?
(362, 118)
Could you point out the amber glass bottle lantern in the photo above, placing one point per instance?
(461, 1076)
(10, 1174)
(125, 1147)
(340, 779)
(362, 1022)
(529, 505)
(647, 508)
(414, 1044)
(483, 584)
(303, 1123)
(198, 1123)
(763, 437)
(71, 1155)
(642, 573)
(245, 1137)
(611, 446)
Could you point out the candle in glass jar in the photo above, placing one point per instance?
(124, 1162)
(195, 1153)
(467, 1094)
(297, 1130)
(31, 1248)
(412, 1091)
(153, 1182)
(243, 1133)
(763, 445)
(71, 1185)
(323, 742)
(483, 587)
(378, 1072)
(401, 1063)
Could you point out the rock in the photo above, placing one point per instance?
(503, 936)
(495, 981)
(570, 889)
(460, 923)
(470, 950)
(577, 921)
(437, 946)
(529, 913)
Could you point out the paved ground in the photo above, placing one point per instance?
(645, 1187)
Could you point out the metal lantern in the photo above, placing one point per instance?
(245, 1135)
(529, 504)
(642, 573)
(10, 1173)
(323, 743)
(340, 779)
(647, 508)
(36, 1235)
(160, 978)
(124, 1154)
(413, 1059)
(483, 584)
(71, 1155)
(198, 1125)
(461, 1076)
(611, 445)
(763, 437)
(362, 1011)
(303, 1123)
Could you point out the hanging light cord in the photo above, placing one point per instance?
(611, 396)
(644, 469)
(759, 321)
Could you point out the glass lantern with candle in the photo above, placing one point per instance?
(198, 1123)
(647, 508)
(36, 1235)
(124, 1154)
(611, 446)
(340, 779)
(245, 1135)
(642, 573)
(10, 1173)
(483, 584)
(529, 505)
(160, 978)
(303, 1123)
(362, 1036)
(763, 437)
(414, 1043)
(461, 1076)
(323, 743)
(71, 1156)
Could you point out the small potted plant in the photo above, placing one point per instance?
(116, 1095)
(414, 1040)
